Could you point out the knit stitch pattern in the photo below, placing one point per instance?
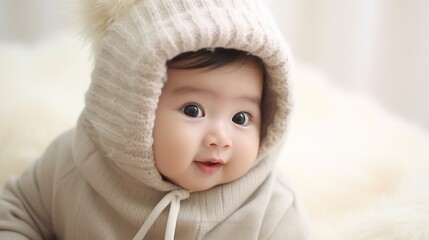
(130, 71)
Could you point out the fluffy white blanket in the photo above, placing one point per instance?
(361, 172)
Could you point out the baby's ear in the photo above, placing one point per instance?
(93, 17)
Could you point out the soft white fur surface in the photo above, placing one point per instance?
(361, 172)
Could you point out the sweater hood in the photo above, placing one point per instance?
(132, 46)
(133, 40)
(132, 49)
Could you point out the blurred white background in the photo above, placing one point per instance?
(379, 48)
(375, 47)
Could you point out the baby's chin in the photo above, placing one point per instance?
(201, 188)
(195, 187)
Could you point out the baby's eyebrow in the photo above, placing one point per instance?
(254, 100)
(189, 89)
(184, 90)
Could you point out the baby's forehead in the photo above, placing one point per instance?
(238, 82)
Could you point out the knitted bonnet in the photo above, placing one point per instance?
(133, 40)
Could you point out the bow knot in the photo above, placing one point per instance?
(173, 199)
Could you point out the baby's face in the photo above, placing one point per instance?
(207, 125)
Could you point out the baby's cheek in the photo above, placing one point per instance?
(177, 149)
(182, 142)
(248, 151)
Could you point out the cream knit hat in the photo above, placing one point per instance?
(133, 41)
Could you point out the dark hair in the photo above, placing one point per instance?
(211, 58)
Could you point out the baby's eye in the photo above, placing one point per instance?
(241, 118)
(192, 111)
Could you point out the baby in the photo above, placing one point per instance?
(186, 111)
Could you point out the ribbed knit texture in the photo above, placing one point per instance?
(113, 146)
(130, 72)
(99, 181)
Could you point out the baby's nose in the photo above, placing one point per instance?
(218, 137)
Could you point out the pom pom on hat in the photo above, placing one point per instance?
(93, 17)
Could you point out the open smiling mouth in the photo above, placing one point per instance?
(209, 167)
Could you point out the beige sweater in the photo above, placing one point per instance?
(99, 181)
(52, 200)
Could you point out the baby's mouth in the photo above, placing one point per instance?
(210, 166)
